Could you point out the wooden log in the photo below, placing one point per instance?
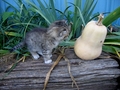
(99, 74)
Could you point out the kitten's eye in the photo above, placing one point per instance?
(64, 29)
(63, 33)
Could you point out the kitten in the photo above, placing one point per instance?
(41, 41)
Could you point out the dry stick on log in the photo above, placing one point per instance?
(69, 70)
(10, 67)
(48, 74)
(55, 63)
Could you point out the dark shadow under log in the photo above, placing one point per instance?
(99, 74)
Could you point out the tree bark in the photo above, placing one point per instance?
(99, 74)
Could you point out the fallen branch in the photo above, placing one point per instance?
(53, 66)
(69, 70)
(48, 74)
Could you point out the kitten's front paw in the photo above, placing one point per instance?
(48, 61)
(36, 57)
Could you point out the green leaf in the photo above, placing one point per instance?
(112, 37)
(31, 24)
(4, 52)
(80, 14)
(112, 43)
(48, 12)
(14, 34)
(36, 10)
(10, 5)
(52, 8)
(6, 15)
(112, 17)
(108, 49)
(116, 33)
(67, 43)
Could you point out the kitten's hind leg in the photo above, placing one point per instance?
(35, 55)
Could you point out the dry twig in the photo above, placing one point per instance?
(53, 66)
(69, 70)
(10, 66)
(48, 74)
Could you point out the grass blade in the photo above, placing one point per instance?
(112, 43)
(13, 34)
(6, 15)
(112, 17)
(81, 16)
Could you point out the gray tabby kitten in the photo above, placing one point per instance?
(41, 41)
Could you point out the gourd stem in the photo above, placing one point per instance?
(99, 22)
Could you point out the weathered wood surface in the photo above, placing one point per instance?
(99, 74)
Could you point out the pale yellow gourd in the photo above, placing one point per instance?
(89, 45)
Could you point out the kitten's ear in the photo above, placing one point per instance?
(61, 23)
(70, 26)
(66, 22)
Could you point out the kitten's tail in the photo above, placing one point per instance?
(20, 45)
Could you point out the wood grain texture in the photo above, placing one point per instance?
(99, 74)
